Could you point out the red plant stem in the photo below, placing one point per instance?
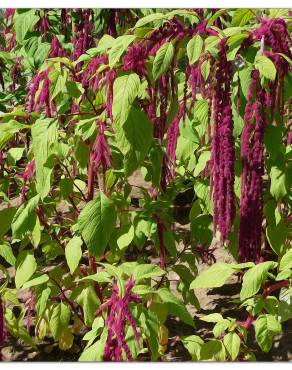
(85, 91)
(63, 295)
(70, 198)
(77, 187)
(276, 286)
(266, 293)
(42, 220)
(248, 322)
(93, 268)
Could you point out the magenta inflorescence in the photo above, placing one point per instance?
(56, 49)
(222, 152)
(101, 154)
(43, 99)
(252, 153)
(118, 314)
(26, 176)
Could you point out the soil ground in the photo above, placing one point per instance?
(218, 300)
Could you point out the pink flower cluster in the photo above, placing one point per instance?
(43, 99)
(90, 77)
(26, 176)
(15, 73)
(43, 25)
(118, 313)
(222, 152)
(56, 49)
(83, 39)
(252, 153)
(276, 35)
(101, 154)
(134, 59)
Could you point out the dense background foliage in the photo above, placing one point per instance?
(192, 103)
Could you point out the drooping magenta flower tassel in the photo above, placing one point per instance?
(252, 153)
(118, 314)
(222, 152)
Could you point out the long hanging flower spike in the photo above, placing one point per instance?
(118, 313)
(222, 153)
(43, 98)
(56, 49)
(100, 156)
(252, 153)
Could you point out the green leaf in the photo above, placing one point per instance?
(7, 254)
(205, 69)
(99, 277)
(6, 217)
(134, 139)
(59, 319)
(119, 47)
(25, 218)
(232, 344)
(95, 351)
(126, 89)
(105, 42)
(202, 190)
(210, 349)
(7, 131)
(44, 135)
(36, 281)
(175, 306)
(201, 109)
(150, 18)
(202, 161)
(43, 300)
(96, 223)
(286, 260)
(278, 183)
(266, 67)
(220, 327)
(143, 290)
(23, 23)
(73, 253)
(89, 302)
(14, 155)
(194, 49)
(276, 235)
(201, 229)
(278, 13)
(213, 317)
(254, 278)
(25, 268)
(162, 60)
(60, 83)
(215, 16)
(213, 277)
(266, 327)
(235, 41)
(241, 17)
(273, 140)
(188, 15)
(245, 77)
(125, 239)
(145, 271)
(285, 274)
(193, 344)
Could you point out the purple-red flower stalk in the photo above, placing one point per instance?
(118, 314)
